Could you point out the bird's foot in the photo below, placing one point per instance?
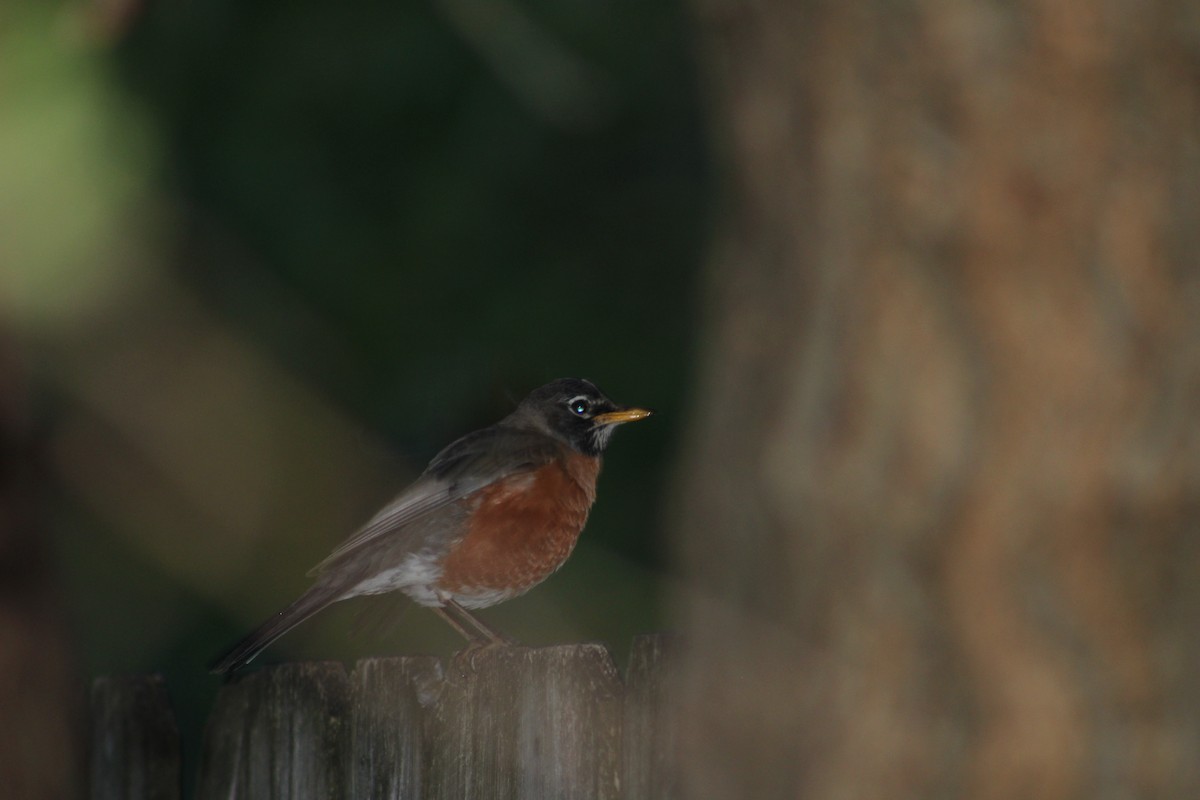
(465, 659)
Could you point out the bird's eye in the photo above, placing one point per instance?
(579, 406)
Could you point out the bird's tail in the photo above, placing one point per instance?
(242, 653)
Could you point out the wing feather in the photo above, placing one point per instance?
(462, 468)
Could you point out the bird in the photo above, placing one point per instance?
(494, 514)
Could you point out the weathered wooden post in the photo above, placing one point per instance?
(134, 748)
(277, 733)
(529, 723)
(387, 752)
(648, 765)
(497, 724)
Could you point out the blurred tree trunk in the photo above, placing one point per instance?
(941, 506)
(40, 694)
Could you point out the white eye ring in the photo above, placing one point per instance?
(580, 406)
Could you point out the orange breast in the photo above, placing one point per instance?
(522, 529)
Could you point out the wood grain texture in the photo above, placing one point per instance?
(530, 723)
(134, 741)
(278, 734)
(649, 743)
(501, 723)
(387, 753)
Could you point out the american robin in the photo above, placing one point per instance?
(491, 517)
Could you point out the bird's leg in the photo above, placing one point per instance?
(482, 638)
(492, 635)
(472, 637)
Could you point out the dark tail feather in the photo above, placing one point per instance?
(242, 653)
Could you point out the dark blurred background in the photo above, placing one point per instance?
(262, 260)
(934, 519)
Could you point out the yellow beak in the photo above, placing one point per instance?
(623, 415)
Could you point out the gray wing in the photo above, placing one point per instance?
(464, 467)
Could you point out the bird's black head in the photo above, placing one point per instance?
(576, 412)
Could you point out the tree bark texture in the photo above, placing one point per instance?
(941, 499)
